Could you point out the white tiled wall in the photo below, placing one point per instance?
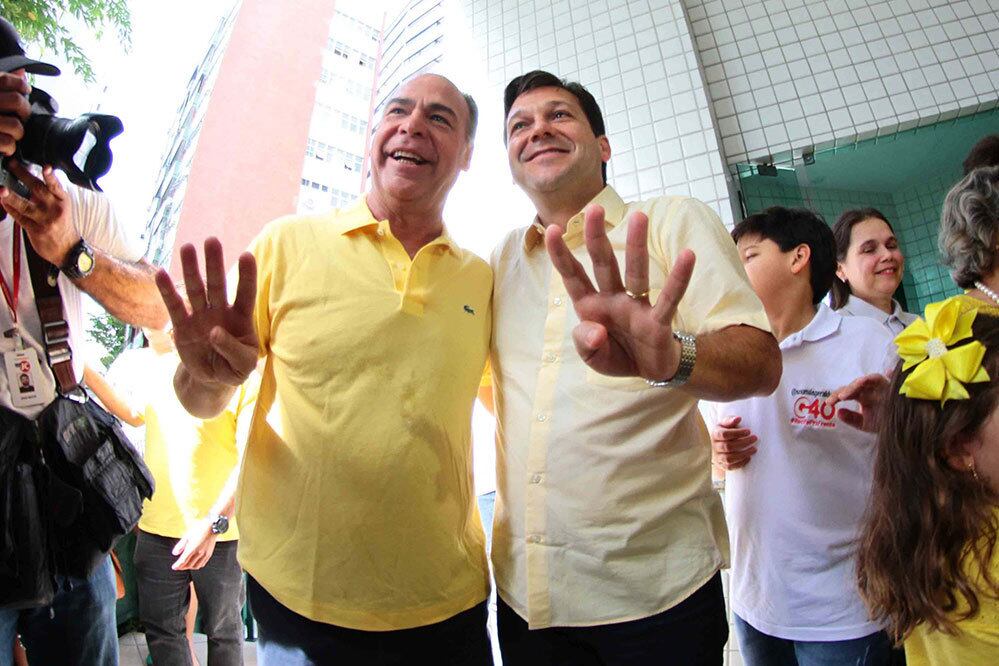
(784, 75)
(638, 59)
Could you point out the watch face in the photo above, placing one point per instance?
(85, 263)
(221, 525)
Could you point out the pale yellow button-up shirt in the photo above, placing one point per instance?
(604, 511)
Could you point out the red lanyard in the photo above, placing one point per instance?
(16, 262)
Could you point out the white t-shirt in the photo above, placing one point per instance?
(96, 223)
(794, 511)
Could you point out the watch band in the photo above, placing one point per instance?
(688, 355)
(71, 267)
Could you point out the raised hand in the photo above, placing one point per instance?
(46, 216)
(216, 341)
(620, 332)
(732, 446)
(870, 391)
(14, 110)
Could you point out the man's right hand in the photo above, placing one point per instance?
(14, 110)
(732, 446)
(216, 341)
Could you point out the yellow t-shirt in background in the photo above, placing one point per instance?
(190, 459)
(356, 502)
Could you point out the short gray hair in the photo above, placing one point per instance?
(969, 227)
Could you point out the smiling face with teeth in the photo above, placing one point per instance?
(419, 149)
(551, 146)
(873, 264)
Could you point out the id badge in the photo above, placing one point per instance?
(24, 377)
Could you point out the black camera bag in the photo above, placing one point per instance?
(71, 484)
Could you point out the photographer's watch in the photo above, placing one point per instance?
(79, 262)
(220, 525)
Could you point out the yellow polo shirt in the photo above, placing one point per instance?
(604, 510)
(190, 459)
(356, 503)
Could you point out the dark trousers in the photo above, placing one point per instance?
(289, 639)
(692, 633)
(77, 629)
(165, 594)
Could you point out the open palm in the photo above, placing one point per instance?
(621, 332)
(216, 341)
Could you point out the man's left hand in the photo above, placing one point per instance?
(620, 333)
(46, 216)
(196, 547)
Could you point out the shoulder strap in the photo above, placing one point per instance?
(55, 329)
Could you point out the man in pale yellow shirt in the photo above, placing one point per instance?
(608, 537)
(358, 524)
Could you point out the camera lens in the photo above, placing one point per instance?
(80, 147)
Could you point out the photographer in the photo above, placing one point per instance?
(75, 230)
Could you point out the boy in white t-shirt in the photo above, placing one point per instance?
(798, 478)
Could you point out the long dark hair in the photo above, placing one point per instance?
(842, 231)
(926, 520)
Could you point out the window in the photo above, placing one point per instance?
(351, 123)
(341, 199)
(349, 53)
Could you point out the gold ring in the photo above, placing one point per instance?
(637, 297)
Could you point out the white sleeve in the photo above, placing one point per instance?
(95, 220)
(709, 412)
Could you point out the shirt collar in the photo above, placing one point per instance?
(614, 210)
(861, 308)
(823, 324)
(359, 216)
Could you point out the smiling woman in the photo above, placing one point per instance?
(869, 268)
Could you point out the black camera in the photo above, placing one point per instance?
(80, 147)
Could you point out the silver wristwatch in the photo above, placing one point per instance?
(688, 354)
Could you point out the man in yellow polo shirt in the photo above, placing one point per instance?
(187, 533)
(358, 523)
(608, 537)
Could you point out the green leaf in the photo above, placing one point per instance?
(41, 23)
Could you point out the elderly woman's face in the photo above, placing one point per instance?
(874, 264)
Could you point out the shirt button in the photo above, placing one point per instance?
(535, 538)
(557, 300)
(550, 357)
(536, 479)
(542, 417)
(381, 232)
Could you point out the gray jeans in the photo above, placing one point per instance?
(164, 596)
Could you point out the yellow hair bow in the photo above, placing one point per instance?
(941, 371)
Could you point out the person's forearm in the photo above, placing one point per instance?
(734, 363)
(127, 290)
(109, 397)
(225, 505)
(201, 399)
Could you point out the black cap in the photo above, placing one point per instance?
(12, 54)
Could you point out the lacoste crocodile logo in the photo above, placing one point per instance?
(469, 310)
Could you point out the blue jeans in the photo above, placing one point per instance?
(759, 649)
(77, 628)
